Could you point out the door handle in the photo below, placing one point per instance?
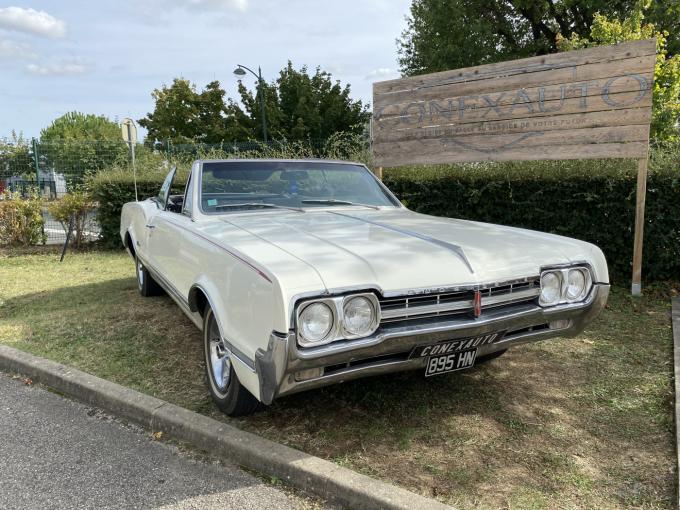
(150, 226)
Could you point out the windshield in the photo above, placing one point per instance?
(229, 186)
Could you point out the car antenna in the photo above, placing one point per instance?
(129, 131)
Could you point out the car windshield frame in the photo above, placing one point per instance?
(381, 191)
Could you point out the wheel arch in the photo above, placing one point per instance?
(198, 299)
(128, 243)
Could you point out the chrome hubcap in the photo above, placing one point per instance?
(220, 360)
(140, 274)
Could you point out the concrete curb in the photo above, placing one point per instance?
(306, 472)
(675, 319)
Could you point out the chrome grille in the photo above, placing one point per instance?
(458, 301)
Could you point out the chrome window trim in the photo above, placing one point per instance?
(391, 197)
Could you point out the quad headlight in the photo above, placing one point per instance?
(568, 285)
(315, 322)
(326, 320)
(359, 316)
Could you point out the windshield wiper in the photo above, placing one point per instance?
(259, 204)
(332, 201)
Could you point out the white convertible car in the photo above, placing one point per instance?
(304, 273)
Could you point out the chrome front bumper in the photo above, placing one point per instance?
(388, 350)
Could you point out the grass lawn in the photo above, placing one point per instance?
(579, 423)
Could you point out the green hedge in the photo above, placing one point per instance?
(591, 200)
(113, 188)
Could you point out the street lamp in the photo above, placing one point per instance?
(240, 71)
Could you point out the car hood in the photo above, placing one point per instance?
(392, 250)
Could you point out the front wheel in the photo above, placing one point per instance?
(225, 388)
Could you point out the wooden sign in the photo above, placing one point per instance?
(593, 103)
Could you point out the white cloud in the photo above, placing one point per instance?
(59, 69)
(13, 50)
(31, 21)
(382, 72)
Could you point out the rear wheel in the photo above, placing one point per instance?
(225, 388)
(146, 285)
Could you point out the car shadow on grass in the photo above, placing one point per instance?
(584, 420)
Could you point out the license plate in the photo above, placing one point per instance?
(450, 362)
(452, 355)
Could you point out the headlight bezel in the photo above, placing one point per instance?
(338, 331)
(306, 342)
(562, 272)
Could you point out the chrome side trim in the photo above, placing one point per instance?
(443, 244)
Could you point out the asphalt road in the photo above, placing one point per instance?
(57, 453)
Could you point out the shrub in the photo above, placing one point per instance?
(21, 221)
(74, 205)
(114, 187)
(592, 200)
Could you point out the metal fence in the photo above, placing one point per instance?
(52, 169)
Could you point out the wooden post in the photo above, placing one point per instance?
(378, 172)
(636, 287)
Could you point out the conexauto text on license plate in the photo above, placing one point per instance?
(453, 355)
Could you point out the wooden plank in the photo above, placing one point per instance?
(640, 195)
(483, 147)
(524, 66)
(589, 89)
(382, 128)
(581, 74)
(623, 117)
(579, 151)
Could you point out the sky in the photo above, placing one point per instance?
(106, 57)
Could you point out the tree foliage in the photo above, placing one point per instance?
(15, 157)
(299, 106)
(666, 98)
(76, 143)
(184, 115)
(450, 34)
(73, 206)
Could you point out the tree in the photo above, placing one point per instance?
(183, 115)
(449, 34)
(76, 143)
(300, 106)
(666, 97)
(15, 157)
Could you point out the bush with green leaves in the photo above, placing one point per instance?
(21, 220)
(73, 206)
(76, 144)
(593, 200)
(113, 187)
(666, 99)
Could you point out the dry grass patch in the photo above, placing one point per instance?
(574, 423)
